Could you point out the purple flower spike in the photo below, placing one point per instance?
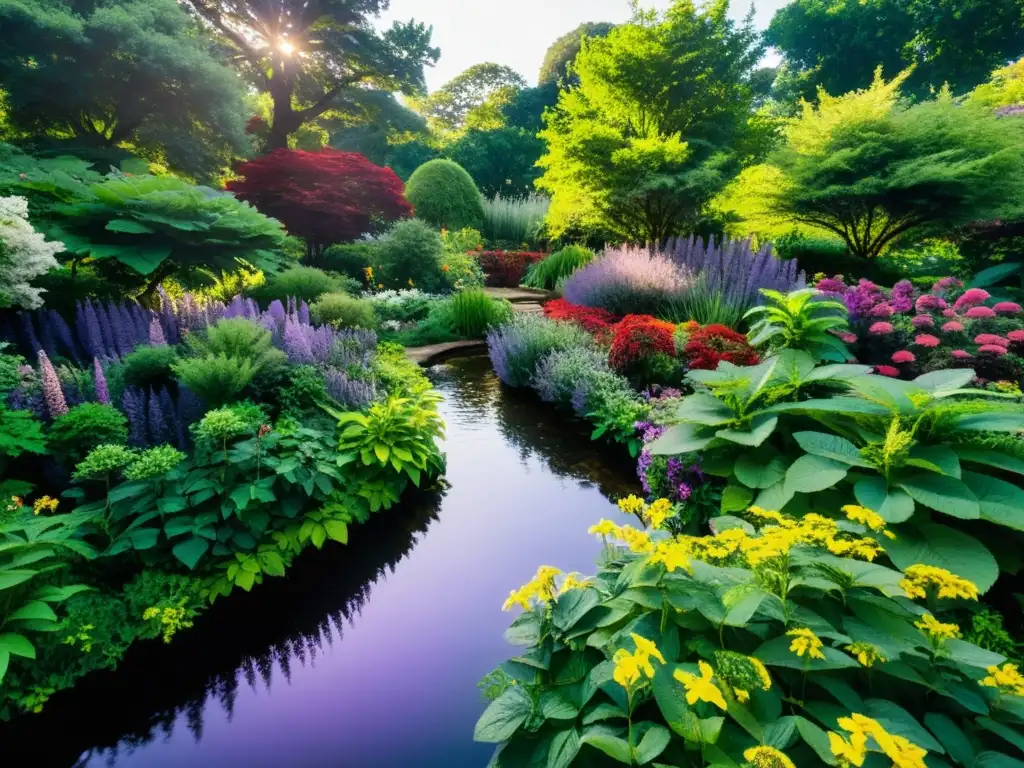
(133, 404)
(53, 394)
(156, 333)
(99, 382)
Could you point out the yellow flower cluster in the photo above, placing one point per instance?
(935, 629)
(1006, 678)
(866, 653)
(637, 541)
(171, 620)
(631, 505)
(701, 688)
(920, 577)
(805, 641)
(865, 516)
(672, 554)
(45, 504)
(630, 667)
(853, 750)
(654, 514)
(541, 588)
(767, 757)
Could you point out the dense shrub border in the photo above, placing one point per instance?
(506, 269)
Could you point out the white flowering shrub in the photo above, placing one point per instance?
(24, 255)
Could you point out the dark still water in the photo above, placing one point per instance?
(367, 655)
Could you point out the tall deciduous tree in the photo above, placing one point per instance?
(313, 56)
(473, 98)
(640, 147)
(563, 52)
(838, 43)
(323, 197)
(870, 168)
(135, 73)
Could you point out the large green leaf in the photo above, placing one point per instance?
(830, 447)
(503, 716)
(13, 576)
(1001, 502)
(191, 550)
(705, 409)
(141, 258)
(810, 474)
(761, 428)
(33, 611)
(991, 459)
(944, 494)
(892, 393)
(948, 380)
(774, 497)
(944, 547)
(17, 645)
(954, 740)
(564, 747)
(996, 420)
(894, 506)
(682, 438)
(5, 660)
(128, 226)
(851, 406)
(936, 458)
(816, 739)
(605, 739)
(652, 744)
(898, 721)
(775, 652)
(572, 606)
(761, 468)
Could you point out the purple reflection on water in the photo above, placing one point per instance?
(399, 688)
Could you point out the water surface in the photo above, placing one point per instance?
(367, 655)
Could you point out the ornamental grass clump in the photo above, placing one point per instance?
(549, 273)
(774, 642)
(628, 280)
(515, 219)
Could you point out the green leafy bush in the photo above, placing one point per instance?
(444, 194)
(217, 379)
(412, 256)
(84, 427)
(801, 320)
(547, 274)
(305, 390)
(342, 311)
(792, 437)
(773, 643)
(473, 313)
(303, 283)
(351, 259)
(20, 432)
(149, 366)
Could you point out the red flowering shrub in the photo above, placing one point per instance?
(592, 319)
(712, 344)
(639, 337)
(506, 269)
(324, 197)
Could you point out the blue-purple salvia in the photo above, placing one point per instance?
(156, 333)
(304, 313)
(155, 422)
(99, 383)
(47, 337)
(296, 343)
(347, 391)
(133, 404)
(90, 333)
(122, 339)
(63, 334)
(106, 332)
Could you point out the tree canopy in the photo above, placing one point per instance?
(837, 44)
(871, 168)
(473, 98)
(315, 56)
(563, 52)
(641, 146)
(136, 73)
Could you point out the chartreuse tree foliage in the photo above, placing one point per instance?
(640, 147)
(837, 44)
(318, 56)
(925, 455)
(869, 167)
(775, 642)
(557, 65)
(135, 74)
(474, 98)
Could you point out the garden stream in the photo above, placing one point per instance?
(366, 655)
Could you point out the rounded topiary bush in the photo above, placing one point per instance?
(342, 311)
(412, 256)
(304, 284)
(444, 194)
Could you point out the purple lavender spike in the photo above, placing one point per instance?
(122, 340)
(47, 337)
(53, 394)
(277, 313)
(304, 313)
(99, 382)
(106, 332)
(296, 343)
(93, 335)
(156, 333)
(133, 403)
(64, 335)
(155, 421)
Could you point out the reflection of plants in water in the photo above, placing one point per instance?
(469, 386)
(285, 621)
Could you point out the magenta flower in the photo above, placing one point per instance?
(846, 336)
(991, 338)
(831, 285)
(99, 382)
(972, 297)
(953, 327)
(880, 329)
(926, 340)
(929, 303)
(992, 349)
(979, 313)
(887, 370)
(903, 356)
(948, 313)
(946, 284)
(960, 354)
(923, 321)
(1015, 336)
(53, 395)
(1007, 308)
(882, 310)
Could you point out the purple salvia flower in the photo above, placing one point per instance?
(106, 332)
(155, 421)
(122, 339)
(53, 395)
(276, 311)
(304, 313)
(47, 335)
(321, 341)
(296, 343)
(99, 382)
(133, 403)
(349, 392)
(683, 491)
(140, 318)
(642, 465)
(627, 279)
(156, 333)
(63, 334)
(81, 326)
(93, 334)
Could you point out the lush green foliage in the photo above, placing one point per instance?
(342, 311)
(350, 259)
(643, 144)
(557, 66)
(444, 194)
(149, 366)
(412, 255)
(801, 320)
(515, 220)
(474, 313)
(304, 284)
(774, 642)
(85, 427)
(473, 99)
(547, 274)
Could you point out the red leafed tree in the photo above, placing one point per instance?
(324, 197)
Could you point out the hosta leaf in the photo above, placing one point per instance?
(128, 226)
(830, 447)
(761, 468)
(1001, 502)
(503, 716)
(605, 739)
(894, 506)
(991, 459)
(947, 380)
(943, 494)
(761, 429)
(682, 438)
(776, 497)
(810, 473)
(991, 421)
(705, 409)
(945, 547)
(941, 458)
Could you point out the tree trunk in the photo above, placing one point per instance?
(286, 120)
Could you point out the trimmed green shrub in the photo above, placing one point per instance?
(411, 256)
(84, 427)
(228, 357)
(218, 380)
(443, 193)
(342, 311)
(351, 259)
(547, 274)
(236, 337)
(304, 283)
(149, 366)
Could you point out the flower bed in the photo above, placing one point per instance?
(506, 269)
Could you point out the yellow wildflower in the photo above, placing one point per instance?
(627, 668)
(1006, 678)
(638, 541)
(520, 597)
(767, 757)
(380, 286)
(631, 505)
(762, 672)
(850, 752)
(902, 752)
(646, 648)
(719, 546)
(673, 555)
(658, 512)
(701, 688)
(572, 581)
(445, 268)
(805, 641)
(766, 514)
(604, 528)
(920, 577)
(935, 629)
(368, 274)
(45, 504)
(865, 548)
(741, 696)
(866, 653)
(864, 516)
(542, 587)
